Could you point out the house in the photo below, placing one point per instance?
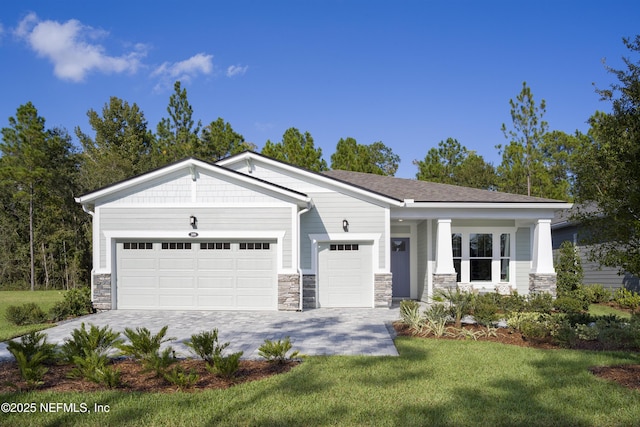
(563, 228)
(253, 233)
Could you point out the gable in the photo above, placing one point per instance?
(193, 182)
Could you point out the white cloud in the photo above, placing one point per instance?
(185, 70)
(236, 70)
(71, 47)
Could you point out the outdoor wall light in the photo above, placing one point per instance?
(345, 225)
(193, 221)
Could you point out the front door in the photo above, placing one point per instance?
(401, 281)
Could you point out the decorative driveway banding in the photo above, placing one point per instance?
(323, 331)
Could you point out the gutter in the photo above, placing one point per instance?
(299, 269)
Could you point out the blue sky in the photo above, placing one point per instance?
(407, 73)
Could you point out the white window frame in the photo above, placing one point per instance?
(465, 267)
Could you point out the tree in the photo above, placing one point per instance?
(558, 151)
(218, 140)
(607, 173)
(37, 174)
(452, 163)
(521, 158)
(569, 267)
(177, 136)
(297, 149)
(122, 146)
(375, 158)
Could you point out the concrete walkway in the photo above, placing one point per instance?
(313, 332)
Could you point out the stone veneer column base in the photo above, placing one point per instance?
(382, 290)
(288, 292)
(542, 283)
(443, 282)
(308, 291)
(102, 292)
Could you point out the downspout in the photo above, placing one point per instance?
(303, 211)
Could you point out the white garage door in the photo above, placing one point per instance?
(212, 275)
(345, 274)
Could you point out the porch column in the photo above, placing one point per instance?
(444, 276)
(444, 250)
(542, 277)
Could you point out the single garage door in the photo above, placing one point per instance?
(190, 275)
(345, 274)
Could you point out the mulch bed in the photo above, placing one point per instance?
(626, 375)
(135, 380)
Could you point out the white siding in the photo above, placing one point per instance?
(330, 209)
(523, 259)
(173, 219)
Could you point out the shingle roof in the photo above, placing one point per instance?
(424, 191)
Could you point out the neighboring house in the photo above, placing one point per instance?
(564, 229)
(253, 233)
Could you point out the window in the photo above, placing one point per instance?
(456, 243)
(344, 247)
(176, 245)
(255, 246)
(215, 245)
(482, 256)
(137, 245)
(505, 254)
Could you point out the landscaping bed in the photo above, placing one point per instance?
(135, 379)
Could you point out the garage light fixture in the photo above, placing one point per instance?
(193, 221)
(345, 225)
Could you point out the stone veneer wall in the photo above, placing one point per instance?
(288, 292)
(308, 291)
(382, 291)
(542, 283)
(102, 292)
(444, 282)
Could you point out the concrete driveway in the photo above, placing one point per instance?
(313, 332)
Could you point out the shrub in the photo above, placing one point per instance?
(569, 268)
(276, 351)
(596, 294)
(205, 345)
(435, 318)
(516, 320)
(485, 308)
(179, 377)
(25, 314)
(460, 303)
(83, 343)
(410, 314)
(146, 347)
(31, 353)
(540, 302)
(567, 304)
(93, 367)
(626, 298)
(76, 302)
(226, 366)
(513, 303)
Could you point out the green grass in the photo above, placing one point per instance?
(45, 299)
(433, 382)
(605, 310)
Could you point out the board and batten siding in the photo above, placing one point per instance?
(523, 259)
(329, 210)
(227, 219)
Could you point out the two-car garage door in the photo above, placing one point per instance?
(203, 275)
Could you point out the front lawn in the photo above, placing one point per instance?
(45, 299)
(433, 382)
(606, 310)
